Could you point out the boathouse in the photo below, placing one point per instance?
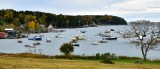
(12, 33)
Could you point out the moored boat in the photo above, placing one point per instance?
(112, 29)
(94, 43)
(103, 41)
(48, 40)
(37, 38)
(110, 38)
(31, 46)
(81, 37)
(75, 44)
(83, 31)
(19, 41)
(36, 43)
(30, 38)
(74, 40)
(58, 36)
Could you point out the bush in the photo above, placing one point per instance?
(126, 57)
(107, 61)
(25, 55)
(155, 60)
(67, 48)
(98, 56)
(108, 56)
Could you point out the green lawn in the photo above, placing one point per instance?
(32, 63)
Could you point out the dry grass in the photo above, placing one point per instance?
(32, 63)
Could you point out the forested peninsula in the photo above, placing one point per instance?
(25, 19)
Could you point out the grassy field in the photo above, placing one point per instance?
(32, 63)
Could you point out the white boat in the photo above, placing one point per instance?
(81, 37)
(36, 38)
(94, 43)
(58, 36)
(74, 40)
(74, 44)
(106, 31)
(48, 40)
(31, 46)
(31, 38)
(83, 31)
(110, 38)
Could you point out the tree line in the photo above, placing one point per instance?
(32, 20)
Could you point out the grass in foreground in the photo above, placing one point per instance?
(32, 63)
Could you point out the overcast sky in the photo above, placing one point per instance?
(129, 9)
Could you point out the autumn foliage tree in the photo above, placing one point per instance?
(37, 26)
(8, 16)
(31, 25)
(1, 28)
(16, 21)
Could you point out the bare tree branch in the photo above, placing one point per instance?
(146, 34)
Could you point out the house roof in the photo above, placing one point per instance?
(8, 29)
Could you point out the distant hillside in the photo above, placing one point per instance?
(17, 18)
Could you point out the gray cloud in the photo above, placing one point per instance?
(129, 9)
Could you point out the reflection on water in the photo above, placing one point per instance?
(119, 47)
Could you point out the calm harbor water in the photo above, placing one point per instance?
(120, 46)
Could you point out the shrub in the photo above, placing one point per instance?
(108, 56)
(155, 60)
(67, 48)
(126, 57)
(107, 61)
(25, 55)
(98, 56)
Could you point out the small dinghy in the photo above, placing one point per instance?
(94, 43)
(19, 41)
(31, 46)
